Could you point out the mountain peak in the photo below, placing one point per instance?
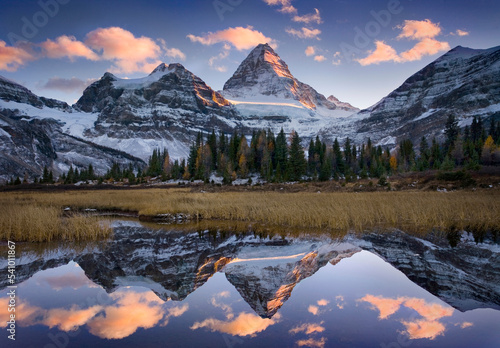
(264, 73)
(160, 68)
(342, 105)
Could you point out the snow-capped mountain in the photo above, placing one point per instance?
(11, 91)
(165, 109)
(267, 95)
(464, 82)
(168, 107)
(37, 132)
(342, 105)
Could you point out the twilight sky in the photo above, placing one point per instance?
(357, 50)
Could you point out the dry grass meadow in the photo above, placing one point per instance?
(39, 216)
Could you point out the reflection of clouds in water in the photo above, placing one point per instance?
(430, 311)
(308, 328)
(323, 302)
(225, 307)
(311, 342)
(69, 276)
(74, 281)
(314, 310)
(429, 327)
(423, 328)
(245, 324)
(69, 319)
(340, 301)
(131, 311)
(464, 325)
(25, 313)
(385, 306)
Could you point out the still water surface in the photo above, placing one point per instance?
(191, 290)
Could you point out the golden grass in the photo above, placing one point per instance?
(31, 222)
(415, 212)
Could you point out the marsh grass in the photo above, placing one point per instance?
(416, 212)
(30, 222)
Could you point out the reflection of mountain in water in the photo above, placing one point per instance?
(266, 282)
(265, 270)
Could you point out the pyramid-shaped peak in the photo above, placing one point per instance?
(264, 47)
(160, 68)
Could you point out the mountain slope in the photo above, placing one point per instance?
(463, 82)
(165, 109)
(267, 95)
(37, 132)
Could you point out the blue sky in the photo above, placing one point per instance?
(358, 51)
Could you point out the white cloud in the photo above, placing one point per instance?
(320, 58)
(462, 32)
(308, 18)
(286, 5)
(310, 50)
(304, 33)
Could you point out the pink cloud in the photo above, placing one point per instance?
(426, 47)
(418, 30)
(310, 50)
(241, 38)
(308, 328)
(304, 33)
(423, 31)
(320, 58)
(11, 58)
(430, 311)
(314, 310)
(323, 302)
(286, 5)
(313, 343)
(245, 324)
(70, 319)
(423, 329)
(308, 18)
(382, 53)
(129, 53)
(385, 306)
(67, 46)
(131, 311)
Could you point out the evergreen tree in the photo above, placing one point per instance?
(212, 143)
(423, 162)
(281, 154)
(297, 164)
(451, 132)
(337, 155)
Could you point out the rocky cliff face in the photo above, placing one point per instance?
(168, 107)
(264, 73)
(466, 277)
(267, 283)
(464, 82)
(266, 270)
(342, 105)
(12, 91)
(33, 136)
